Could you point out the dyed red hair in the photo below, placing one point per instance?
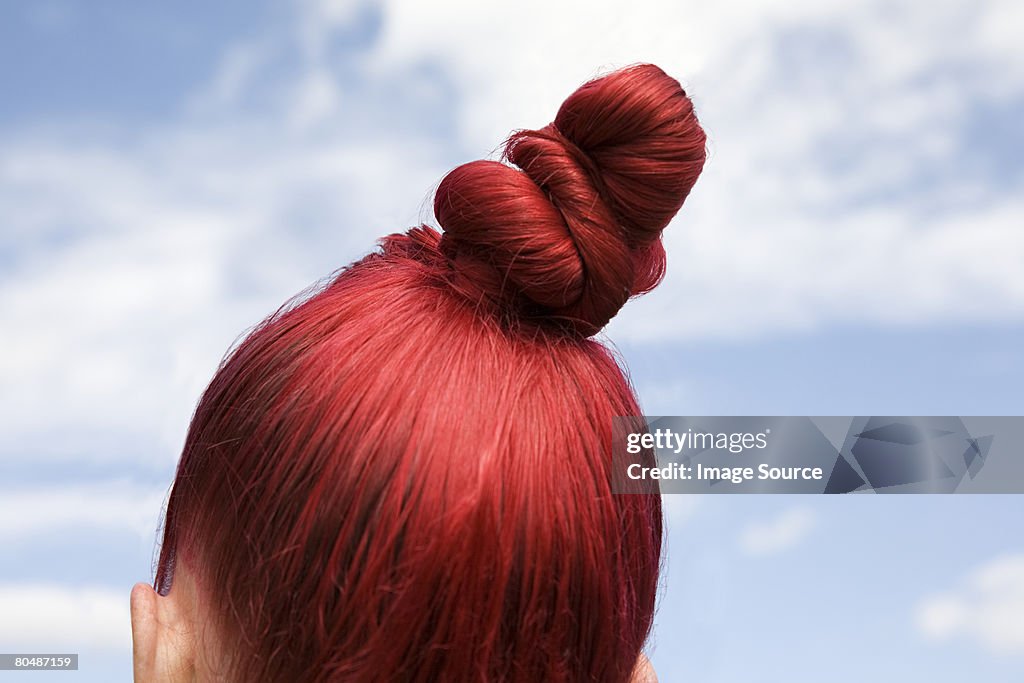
(406, 476)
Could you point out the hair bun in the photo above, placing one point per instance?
(576, 232)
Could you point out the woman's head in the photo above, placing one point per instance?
(407, 476)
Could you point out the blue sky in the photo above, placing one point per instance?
(168, 176)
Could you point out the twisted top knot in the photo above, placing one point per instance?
(573, 232)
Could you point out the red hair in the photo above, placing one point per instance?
(407, 476)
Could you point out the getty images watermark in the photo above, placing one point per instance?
(749, 454)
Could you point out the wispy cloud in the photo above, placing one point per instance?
(986, 608)
(854, 177)
(116, 506)
(133, 265)
(39, 617)
(771, 536)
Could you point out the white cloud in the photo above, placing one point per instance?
(138, 264)
(105, 506)
(41, 617)
(317, 19)
(986, 608)
(774, 238)
(317, 99)
(783, 532)
(238, 70)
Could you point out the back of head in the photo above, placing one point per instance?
(407, 476)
